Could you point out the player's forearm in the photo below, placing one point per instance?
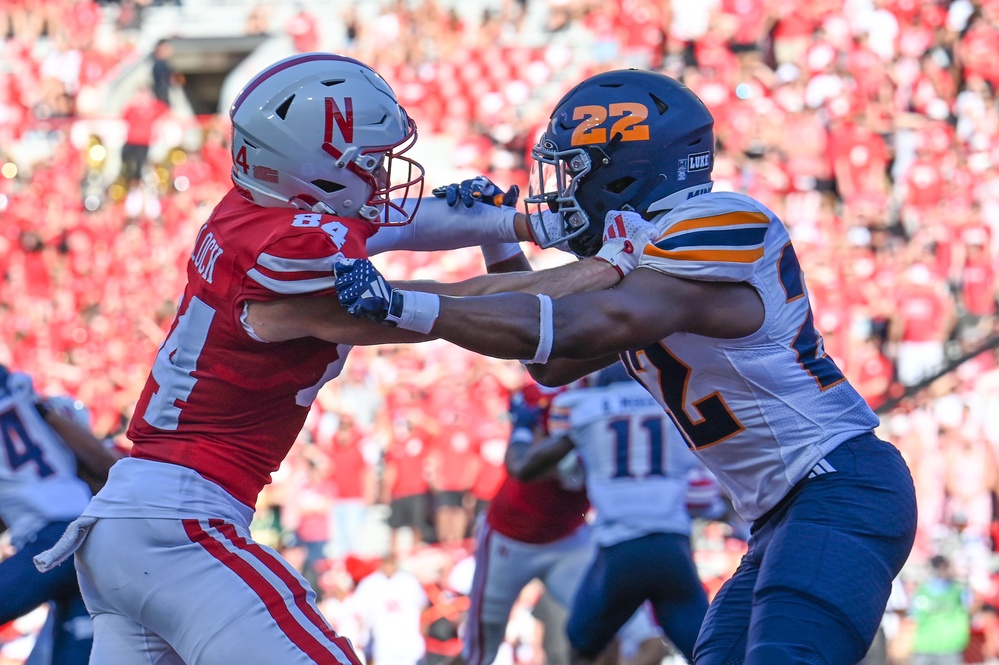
(438, 226)
(89, 451)
(576, 277)
(512, 325)
(527, 462)
(501, 326)
(322, 318)
(561, 371)
(516, 263)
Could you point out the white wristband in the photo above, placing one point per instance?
(493, 254)
(546, 332)
(418, 310)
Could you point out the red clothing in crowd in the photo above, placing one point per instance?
(456, 461)
(924, 182)
(752, 19)
(140, 115)
(978, 50)
(872, 376)
(860, 160)
(922, 310)
(978, 282)
(408, 456)
(303, 28)
(348, 467)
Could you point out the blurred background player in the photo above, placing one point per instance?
(46, 447)
(535, 528)
(531, 530)
(636, 466)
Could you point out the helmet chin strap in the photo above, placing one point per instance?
(676, 198)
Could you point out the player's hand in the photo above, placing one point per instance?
(362, 290)
(626, 234)
(479, 188)
(546, 228)
(365, 294)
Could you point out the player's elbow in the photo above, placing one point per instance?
(550, 374)
(594, 334)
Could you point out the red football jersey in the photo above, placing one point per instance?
(217, 400)
(540, 511)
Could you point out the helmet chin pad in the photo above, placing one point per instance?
(589, 241)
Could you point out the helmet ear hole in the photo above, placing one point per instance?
(282, 111)
(661, 106)
(328, 186)
(619, 185)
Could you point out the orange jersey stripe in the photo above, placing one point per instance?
(727, 219)
(722, 255)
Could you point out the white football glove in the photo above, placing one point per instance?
(626, 234)
(544, 227)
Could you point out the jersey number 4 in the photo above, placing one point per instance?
(19, 446)
(173, 369)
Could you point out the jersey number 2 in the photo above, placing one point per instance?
(807, 343)
(716, 423)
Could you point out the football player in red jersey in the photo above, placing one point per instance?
(167, 565)
(531, 529)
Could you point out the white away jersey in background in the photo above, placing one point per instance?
(762, 410)
(38, 482)
(636, 462)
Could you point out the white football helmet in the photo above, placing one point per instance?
(323, 132)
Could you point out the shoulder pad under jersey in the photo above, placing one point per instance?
(713, 237)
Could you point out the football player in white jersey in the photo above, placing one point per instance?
(320, 172)
(45, 445)
(636, 466)
(715, 322)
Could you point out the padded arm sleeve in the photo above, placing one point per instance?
(438, 226)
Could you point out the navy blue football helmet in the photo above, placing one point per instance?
(623, 140)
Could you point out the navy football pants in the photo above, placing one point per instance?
(657, 567)
(24, 589)
(813, 585)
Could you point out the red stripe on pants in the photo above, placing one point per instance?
(270, 596)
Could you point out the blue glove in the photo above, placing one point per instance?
(361, 289)
(479, 188)
(524, 415)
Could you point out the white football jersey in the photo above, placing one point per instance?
(636, 462)
(38, 482)
(761, 410)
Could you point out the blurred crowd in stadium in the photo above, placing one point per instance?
(871, 127)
